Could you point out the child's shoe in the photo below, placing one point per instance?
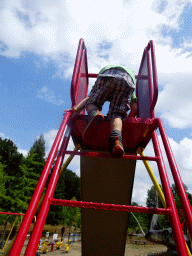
(115, 145)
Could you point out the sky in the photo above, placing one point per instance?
(38, 45)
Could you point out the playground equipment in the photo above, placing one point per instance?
(165, 237)
(106, 181)
(16, 218)
(45, 246)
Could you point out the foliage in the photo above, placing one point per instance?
(2, 192)
(18, 177)
(11, 160)
(68, 187)
(72, 216)
(39, 148)
(72, 185)
(152, 200)
(141, 217)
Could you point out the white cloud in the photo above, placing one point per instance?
(49, 139)
(2, 135)
(174, 102)
(48, 95)
(23, 151)
(75, 163)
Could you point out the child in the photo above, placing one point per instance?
(115, 84)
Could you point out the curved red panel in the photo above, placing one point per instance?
(79, 83)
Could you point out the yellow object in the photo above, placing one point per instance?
(10, 232)
(8, 248)
(152, 176)
(59, 244)
(67, 162)
(45, 246)
(45, 249)
(66, 247)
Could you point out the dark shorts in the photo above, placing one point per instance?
(116, 86)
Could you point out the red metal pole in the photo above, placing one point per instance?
(109, 207)
(155, 80)
(150, 81)
(76, 71)
(105, 155)
(174, 218)
(12, 213)
(187, 211)
(38, 228)
(22, 233)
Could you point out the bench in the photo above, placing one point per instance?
(140, 242)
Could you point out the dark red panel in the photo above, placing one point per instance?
(136, 133)
(79, 84)
(147, 89)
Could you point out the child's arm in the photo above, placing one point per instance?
(78, 108)
(81, 105)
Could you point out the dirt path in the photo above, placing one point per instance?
(130, 250)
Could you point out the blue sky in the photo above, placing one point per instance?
(38, 44)
(32, 99)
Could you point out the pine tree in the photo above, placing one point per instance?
(34, 164)
(20, 175)
(39, 148)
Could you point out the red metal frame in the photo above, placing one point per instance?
(11, 213)
(109, 207)
(171, 210)
(187, 211)
(38, 227)
(22, 233)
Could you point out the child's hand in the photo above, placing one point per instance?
(74, 111)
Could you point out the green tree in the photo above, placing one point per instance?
(31, 173)
(152, 198)
(39, 148)
(2, 193)
(68, 187)
(72, 216)
(71, 185)
(151, 202)
(2, 182)
(142, 218)
(20, 175)
(11, 160)
(176, 196)
(32, 167)
(9, 173)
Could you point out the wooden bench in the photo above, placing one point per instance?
(140, 242)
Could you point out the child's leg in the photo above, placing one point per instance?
(94, 120)
(91, 107)
(116, 124)
(115, 138)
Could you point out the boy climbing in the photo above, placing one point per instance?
(115, 84)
